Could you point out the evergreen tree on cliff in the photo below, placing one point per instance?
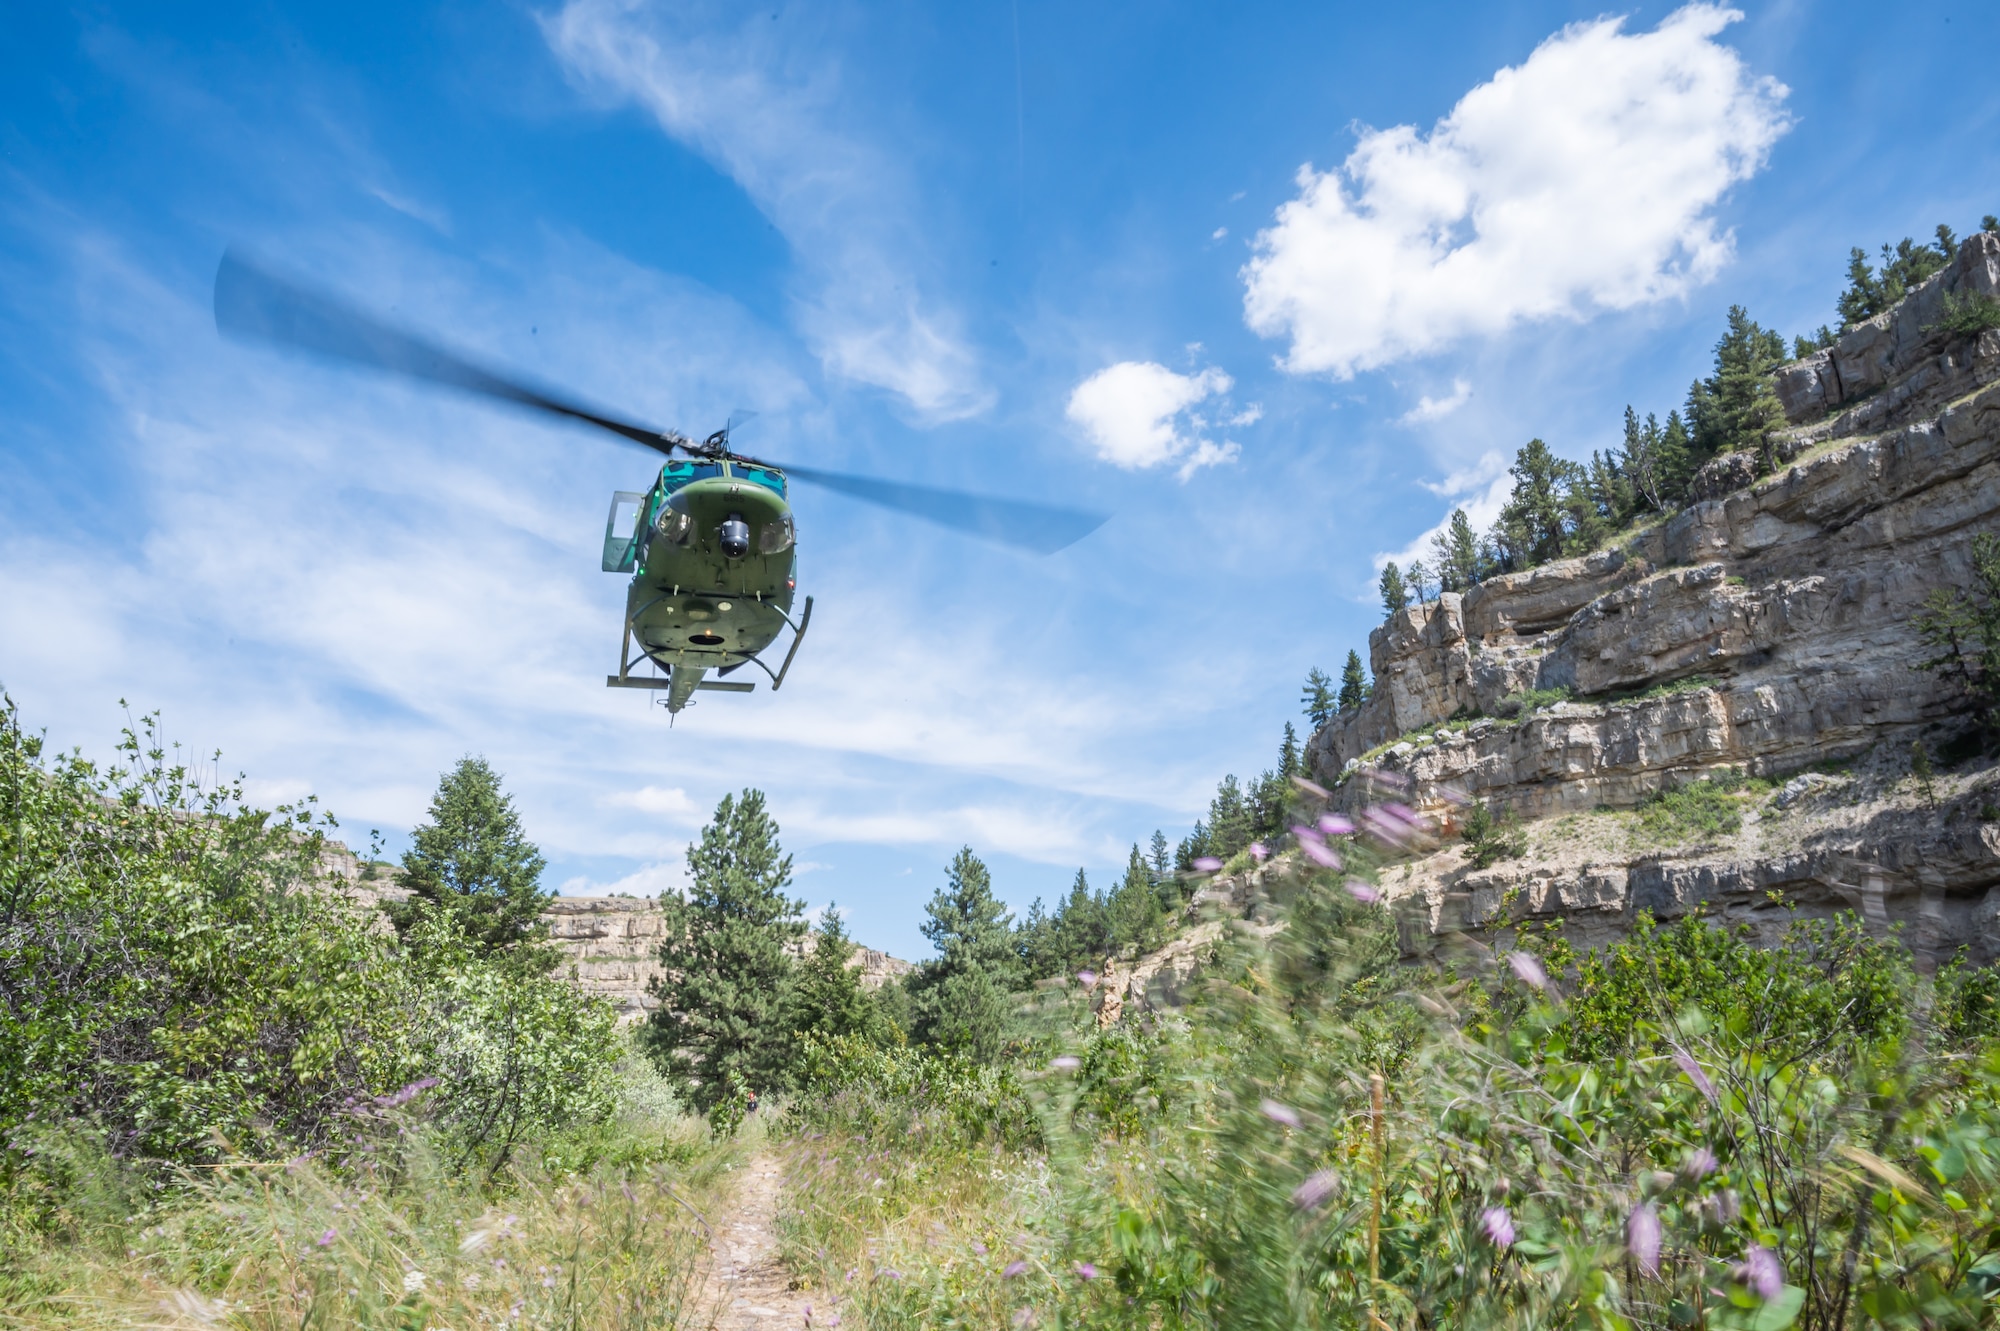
(473, 862)
(1317, 698)
(1134, 907)
(720, 1028)
(827, 999)
(1353, 683)
(959, 999)
(1395, 595)
(1737, 405)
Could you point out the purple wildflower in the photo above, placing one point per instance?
(1528, 969)
(1259, 851)
(326, 1239)
(1405, 815)
(1454, 796)
(1318, 792)
(1305, 834)
(1086, 1270)
(1499, 1226)
(1761, 1273)
(1023, 1317)
(1695, 1074)
(1334, 824)
(1088, 979)
(1318, 1186)
(1207, 864)
(1700, 1165)
(1389, 830)
(1362, 891)
(1642, 1238)
(890, 1273)
(979, 1247)
(1321, 854)
(1013, 1269)
(1283, 1115)
(1065, 1063)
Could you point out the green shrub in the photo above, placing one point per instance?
(1489, 839)
(175, 976)
(850, 1084)
(1967, 315)
(1698, 811)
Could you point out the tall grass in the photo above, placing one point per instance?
(602, 1230)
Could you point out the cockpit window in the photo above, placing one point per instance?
(676, 474)
(770, 480)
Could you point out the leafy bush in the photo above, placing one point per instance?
(1698, 811)
(938, 1099)
(1961, 627)
(1967, 315)
(1529, 701)
(1489, 839)
(176, 974)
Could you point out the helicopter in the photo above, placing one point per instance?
(712, 544)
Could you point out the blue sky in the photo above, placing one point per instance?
(1275, 285)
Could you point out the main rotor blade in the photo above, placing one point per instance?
(1041, 528)
(252, 304)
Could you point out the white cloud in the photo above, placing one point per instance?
(1583, 179)
(650, 880)
(1138, 415)
(1481, 490)
(1430, 408)
(673, 804)
(764, 102)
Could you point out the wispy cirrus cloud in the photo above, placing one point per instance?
(1583, 179)
(766, 103)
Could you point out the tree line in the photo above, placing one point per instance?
(1560, 508)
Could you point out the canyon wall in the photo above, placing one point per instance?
(1763, 630)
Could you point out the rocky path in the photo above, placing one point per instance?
(748, 1287)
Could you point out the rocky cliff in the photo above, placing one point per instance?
(610, 944)
(1763, 630)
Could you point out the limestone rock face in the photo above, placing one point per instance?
(613, 945)
(1764, 629)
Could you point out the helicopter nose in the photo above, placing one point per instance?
(735, 534)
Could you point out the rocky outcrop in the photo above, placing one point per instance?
(610, 945)
(1764, 629)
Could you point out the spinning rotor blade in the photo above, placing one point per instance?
(1041, 528)
(252, 304)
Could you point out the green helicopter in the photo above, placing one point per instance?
(712, 547)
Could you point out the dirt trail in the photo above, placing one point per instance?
(747, 1284)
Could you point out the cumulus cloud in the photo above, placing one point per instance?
(1430, 408)
(1138, 414)
(765, 103)
(671, 803)
(1583, 179)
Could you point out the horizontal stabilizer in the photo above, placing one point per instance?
(662, 682)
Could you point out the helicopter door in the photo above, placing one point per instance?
(621, 531)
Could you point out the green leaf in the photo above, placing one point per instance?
(1780, 1312)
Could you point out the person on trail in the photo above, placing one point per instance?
(750, 1101)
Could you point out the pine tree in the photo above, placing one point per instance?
(1166, 886)
(1463, 548)
(1288, 753)
(959, 999)
(827, 999)
(1083, 928)
(1230, 820)
(1735, 407)
(1353, 683)
(473, 862)
(1394, 595)
(1534, 518)
(727, 967)
(1419, 579)
(1134, 908)
(1318, 698)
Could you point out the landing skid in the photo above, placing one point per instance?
(625, 679)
